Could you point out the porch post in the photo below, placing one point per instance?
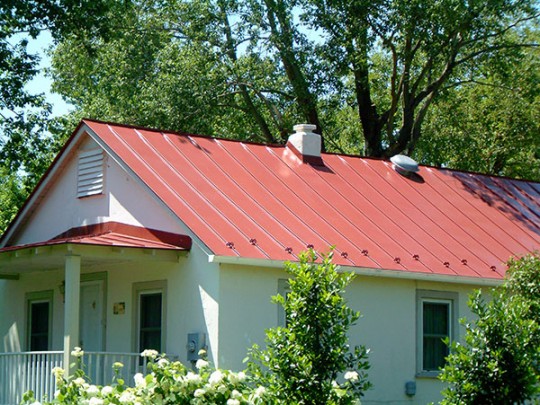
(71, 308)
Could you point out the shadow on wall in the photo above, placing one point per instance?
(12, 343)
(518, 199)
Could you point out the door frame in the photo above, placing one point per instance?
(102, 278)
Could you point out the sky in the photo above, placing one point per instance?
(41, 83)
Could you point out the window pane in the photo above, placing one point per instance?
(150, 321)
(436, 318)
(39, 326)
(436, 329)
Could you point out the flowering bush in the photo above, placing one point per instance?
(166, 383)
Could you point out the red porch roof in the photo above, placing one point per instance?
(257, 201)
(115, 234)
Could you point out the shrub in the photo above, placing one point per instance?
(499, 362)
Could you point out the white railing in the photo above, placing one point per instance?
(21, 372)
(24, 371)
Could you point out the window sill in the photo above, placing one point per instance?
(428, 374)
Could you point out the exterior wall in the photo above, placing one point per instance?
(387, 327)
(124, 200)
(191, 303)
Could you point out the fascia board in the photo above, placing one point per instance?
(361, 271)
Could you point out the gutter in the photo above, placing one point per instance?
(364, 271)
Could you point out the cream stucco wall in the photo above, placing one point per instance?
(387, 327)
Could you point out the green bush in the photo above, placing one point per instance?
(499, 361)
(304, 359)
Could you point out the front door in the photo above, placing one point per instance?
(91, 316)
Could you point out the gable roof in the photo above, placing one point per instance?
(245, 200)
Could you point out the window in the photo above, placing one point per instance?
(149, 315)
(436, 321)
(150, 321)
(39, 320)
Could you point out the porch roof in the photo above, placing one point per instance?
(113, 238)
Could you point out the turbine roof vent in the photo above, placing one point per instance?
(404, 165)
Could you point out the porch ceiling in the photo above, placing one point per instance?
(97, 244)
(30, 259)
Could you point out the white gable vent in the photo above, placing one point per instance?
(90, 174)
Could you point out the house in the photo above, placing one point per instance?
(136, 238)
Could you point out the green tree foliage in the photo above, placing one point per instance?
(489, 124)
(303, 359)
(499, 362)
(266, 64)
(27, 135)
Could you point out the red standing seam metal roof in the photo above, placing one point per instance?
(258, 201)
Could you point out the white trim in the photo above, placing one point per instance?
(363, 271)
(449, 298)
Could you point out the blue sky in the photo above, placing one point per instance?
(41, 83)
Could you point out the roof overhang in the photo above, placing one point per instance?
(97, 244)
(402, 275)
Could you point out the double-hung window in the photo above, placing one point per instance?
(39, 320)
(436, 322)
(150, 315)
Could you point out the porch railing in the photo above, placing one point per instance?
(24, 371)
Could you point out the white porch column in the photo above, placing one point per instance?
(71, 308)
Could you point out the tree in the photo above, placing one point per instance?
(489, 124)
(304, 358)
(499, 362)
(280, 61)
(27, 134)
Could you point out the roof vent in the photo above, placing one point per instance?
(306, 144)
(404, 165)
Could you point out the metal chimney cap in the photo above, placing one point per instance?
(404, 164)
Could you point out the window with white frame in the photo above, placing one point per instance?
(150, 315)
(436, 322)
(39, 320)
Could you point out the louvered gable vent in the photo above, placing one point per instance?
(90, 175)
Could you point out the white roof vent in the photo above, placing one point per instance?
(404, 165)
(306, 144)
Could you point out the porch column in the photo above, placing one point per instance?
(71, 308)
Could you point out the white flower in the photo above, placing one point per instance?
(198, 393)
(162, 363)
(139, 380)
(95, 401)
(201, 364)
(202, 352)
(215, 377)
(117, 365)
(92, 391)
(78, 381)
(260, 391)
(126, 397)
(235, 378)
(351, 376)
(236, 394)
(58, 372)
(151, 354)
(36, 403)
(107, 390)
(232, 401)
(77, 352)
(192, 378)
